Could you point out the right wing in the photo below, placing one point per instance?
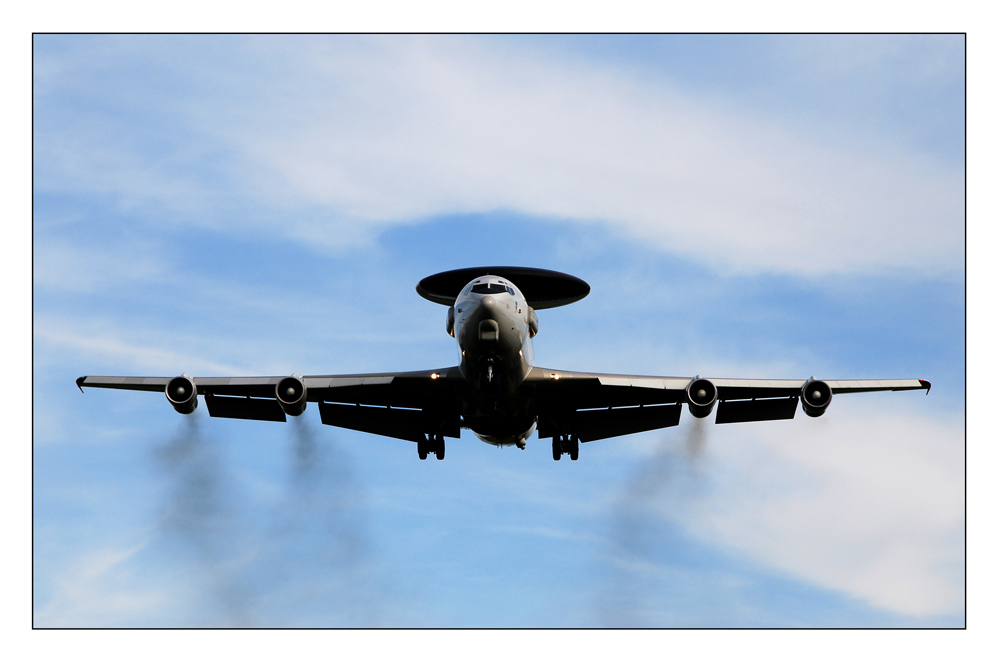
(398, 405)
(599, 405)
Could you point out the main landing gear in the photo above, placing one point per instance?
(434, 443)
(565, 444)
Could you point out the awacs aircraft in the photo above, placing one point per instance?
(496, 391)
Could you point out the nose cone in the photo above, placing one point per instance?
(488, 304)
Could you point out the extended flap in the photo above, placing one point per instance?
(258, 409)
(759, 410)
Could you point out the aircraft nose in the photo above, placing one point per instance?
(488, 304)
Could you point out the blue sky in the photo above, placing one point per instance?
(741, 206)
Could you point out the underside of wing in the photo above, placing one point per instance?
(405, 405)
(400, 405)
(593, 406)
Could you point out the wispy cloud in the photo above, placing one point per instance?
(354, 134)
(83, 268)
(870, 504)
(115, 348)
(99, 589)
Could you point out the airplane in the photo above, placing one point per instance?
(496, 391)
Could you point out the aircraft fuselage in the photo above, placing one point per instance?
(495, 354)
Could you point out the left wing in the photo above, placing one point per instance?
(599, 405)
(399, 405)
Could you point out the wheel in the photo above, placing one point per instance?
(422, 449)
(574, 448)
(439, 447)
(556, 448)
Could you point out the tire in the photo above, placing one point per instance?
(439, 447)
(422, 450)
(574, 448)
(556, 449)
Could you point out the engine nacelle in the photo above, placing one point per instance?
(450, 326)
(182, 394)
(532, 321)
(291, 395)
(816, 397)
(701, 397)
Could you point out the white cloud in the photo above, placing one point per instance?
(73, 267)
(99, 589)
(381, 131)
(870, 504)
(421, 128)
(113, 347)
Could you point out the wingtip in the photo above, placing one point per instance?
(926, 385)
(79, 382)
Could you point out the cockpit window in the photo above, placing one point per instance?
(488, 288)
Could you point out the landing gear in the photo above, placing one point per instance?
(565, 444)
(433, 444)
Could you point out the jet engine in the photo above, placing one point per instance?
(816, 397)
(291, 395)
(532, 321)
(701, 397)
(182, 394)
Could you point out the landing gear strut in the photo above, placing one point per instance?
(565, 444)
(426, 445)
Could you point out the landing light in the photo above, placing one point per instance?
(435, 376)
(554, 376)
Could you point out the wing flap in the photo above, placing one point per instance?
(768, 409)
(591, 425)
(231, 407)
(390, 422)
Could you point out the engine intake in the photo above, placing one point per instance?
(816, 397)
(291, 395)
(450, 324)
(182, 394)
(701, 397)
(532, 322)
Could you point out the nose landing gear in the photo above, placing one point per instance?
(433, 444)
(565, 444)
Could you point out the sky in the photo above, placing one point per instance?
(741, 206)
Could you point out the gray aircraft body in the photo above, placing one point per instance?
(496, 391)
